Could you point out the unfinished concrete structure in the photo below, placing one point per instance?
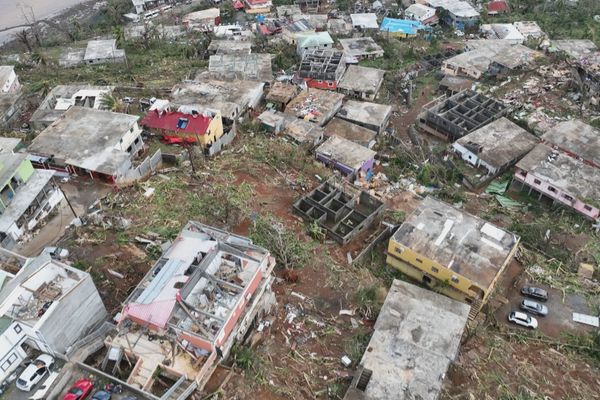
(361, 82)
(453, 117)
(251, 67)
(342, 210)
(372, 116)
(577, 139)
(48, 306)
(351, 159)
(231, 98)
(94, 143)
(63, 97)
(450, 85)
(352, 132)
(451, 251)
(361, 48)
(322, 69)
(202, 296)
(562, 178)
(416, 338)
(315, 105)
(493, 148)
(224, 46)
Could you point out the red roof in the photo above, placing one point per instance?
(238, 5)
(177, 122)
(498, 6)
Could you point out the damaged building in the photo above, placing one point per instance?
(280, 94)
(493, 148)
(351, 159)
(304, 132)
(47, 306)
(361, 82)
(343, 211)
(451, 251)
(453, 117)
(349, 131)
(63, 97)
(459, 14)
(373, 116)
(9, 81)
(202, 296)
(577, 139)
(322, 69)
(416, 338)
(309, 41)
(251, 67)
(315, 105)
(361, 48)
(224, 46)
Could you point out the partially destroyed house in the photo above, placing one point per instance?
(508, 32)
(349, 131)
(203, 20)
(201, 296)
(361, 48)
(351, 159)
(315, 105)
(322, 69)
(224, 46)
(458, 13)
(343, 211)
(373, 116)
(252, 67)
(577, 139)
(9, 81)
(92, 143)
(361, 82)
(417, 337)
(281, 94)
(27, 197)
(453, 117)
(493, 148)
(530, 30)
(451, 251)
(47, 306)
(63, 97)
(563, 179)
(421, 13)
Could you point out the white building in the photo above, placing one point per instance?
(422, 13)
(9, 81)
(364, 21)
(46, 306)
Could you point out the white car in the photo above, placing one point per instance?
(519, 318)
(35, 372)
(56, 253)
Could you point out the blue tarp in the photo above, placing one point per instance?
(405, 26)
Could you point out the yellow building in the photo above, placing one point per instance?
(452, 252)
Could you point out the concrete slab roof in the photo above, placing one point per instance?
(222, 46)
(416, 338)
(529, 29)
(9, 163)
(315, 104)
(458, 8)
(576, 137)
(314, 39)
(8, 145)
(102, 49)
(346, 152)
(361, 47)
(503, 31)
(499, 142)
(282, 92)
(304, 131)
(288, 10)
(365, 20)
(5, 72)
(365, 112)
(562, 171)
(253, 67)
(575, 48)
(483, 52)
(362, 79)
(456, 83)
(348, 130)
(457, 240)
(86, 138)
(7, 102)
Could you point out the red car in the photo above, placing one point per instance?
(79, 390)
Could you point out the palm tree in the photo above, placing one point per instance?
(111, 103)
(119, 35)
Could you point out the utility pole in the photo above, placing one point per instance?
(66, 198)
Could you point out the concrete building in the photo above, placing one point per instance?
(562, 178)
(343, 211)
(304, 133)
(317, 21)
(9, 81)
(450, 85)
(258, 6)
(202, 295)
(452, 252)
(291, 31)
(103, 51)
(401, 28)
(10, 145)
(459, 14)
(372, 116)
(416, 338)
(421, 13)
(27, 196)
(250, 67)
(46, 306)
(150, 31)
(364, 21)
(223, 46)
(274, 121)
(453, 117)
(361, 82)
(351, 159)
(203, 20)
(233, 32)
(575, 48)
(231, 98)
(497, 7)
(313, 41)
(280, 94)
(577, 139)
(322, 69)
(88, 142)
(63, 97)
(361, 48)
(288, 10)
(315, 105)
(508, 32)
(339, 27)
(493, 148)
(12, 106)
(349, 131)
(530, 29)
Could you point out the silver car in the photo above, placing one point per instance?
(519, 318)
(533, 307)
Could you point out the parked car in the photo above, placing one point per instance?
(534, 307)
(534, 292)
(35, 372)
(101, 395)
(519, 318)
(56, 253)
(80, 390)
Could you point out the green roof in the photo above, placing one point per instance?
(4, 324)
(314, 39)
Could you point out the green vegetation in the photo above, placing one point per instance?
(356, 345)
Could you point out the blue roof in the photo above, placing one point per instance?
(406, 26)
